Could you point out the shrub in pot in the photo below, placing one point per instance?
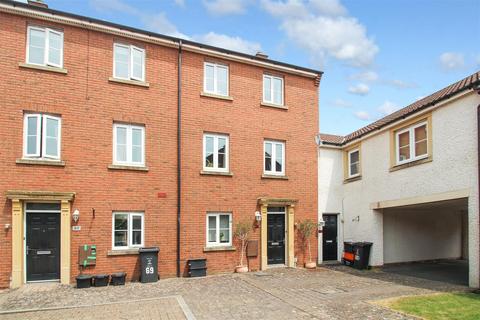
(242, 233)
(306, 228)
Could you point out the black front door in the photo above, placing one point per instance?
(43, 246)
(276, 238)
(330, 232)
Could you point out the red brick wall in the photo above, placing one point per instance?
(89, 104)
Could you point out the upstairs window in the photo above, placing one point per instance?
(219, 229)
(128, 145)
(412, 143)
(272, 89)
(128, 230)
(41, 136)
(216, 79)
(215, 152)
(128, 62)
(353, 163)
(274, 158)
(44, 47)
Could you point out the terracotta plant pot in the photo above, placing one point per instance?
(311, 265)
(241, 269)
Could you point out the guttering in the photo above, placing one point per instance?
(66, 18)
(179, 154)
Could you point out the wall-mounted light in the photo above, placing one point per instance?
(258, 216)
(7, 226)
(356, 219)
(76, 215)
(317, 139)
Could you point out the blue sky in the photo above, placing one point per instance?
(377, 55)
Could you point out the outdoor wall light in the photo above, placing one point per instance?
(7, 226)
(76, 215)
(258, 216)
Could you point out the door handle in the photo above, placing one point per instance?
(275, 243)
(329, 241)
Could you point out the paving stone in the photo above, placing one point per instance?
(333, 292)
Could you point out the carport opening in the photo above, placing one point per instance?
(428, 240)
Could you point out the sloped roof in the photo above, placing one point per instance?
(469, 82)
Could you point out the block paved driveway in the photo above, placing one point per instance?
(334, 292)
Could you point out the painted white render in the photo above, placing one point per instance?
(453, 169)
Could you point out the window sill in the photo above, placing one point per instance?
(132, 82)
(41, 162)
(216, 173)
(272, 176)
(122, 252)
(216, 96)
(272, 105)
(219, 248)
(411, 164)
(122, 167)
(42, 68)
(352, 179)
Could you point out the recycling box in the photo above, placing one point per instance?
(149, 264)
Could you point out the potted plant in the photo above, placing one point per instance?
(306, 228)
(242, 232)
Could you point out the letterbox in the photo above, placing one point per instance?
(87, 255)
(252, 248)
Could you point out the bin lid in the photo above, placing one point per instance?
(100, 276)
(83, 277)
(363, 244)
(119, 274)
(149, 249)
(199, 259)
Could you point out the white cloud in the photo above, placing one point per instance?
(451, 61)
(289, 9)
(387, 108)
(364, 76)
(225, 7)
(341, 103)
(324, 30)
(400, 84)
(359, 89)
(362, 115)
(328, 7)
(180, 3)
(232, 43)
(158, 22)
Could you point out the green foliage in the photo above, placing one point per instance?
(243, 229)
(307, 228)
(451, 306)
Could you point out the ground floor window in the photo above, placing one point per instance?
(128, 230)
(219, 229)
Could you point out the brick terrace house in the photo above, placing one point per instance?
(93, 114)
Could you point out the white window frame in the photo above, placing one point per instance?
(46, 61)
(215, 66)
(274, 155)
(215, 167)
(130, 48)
(271, 77)
(217, 243)
(349, 163)
(411, 136)
(129, 161)
(129, 230)
(41, 136)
